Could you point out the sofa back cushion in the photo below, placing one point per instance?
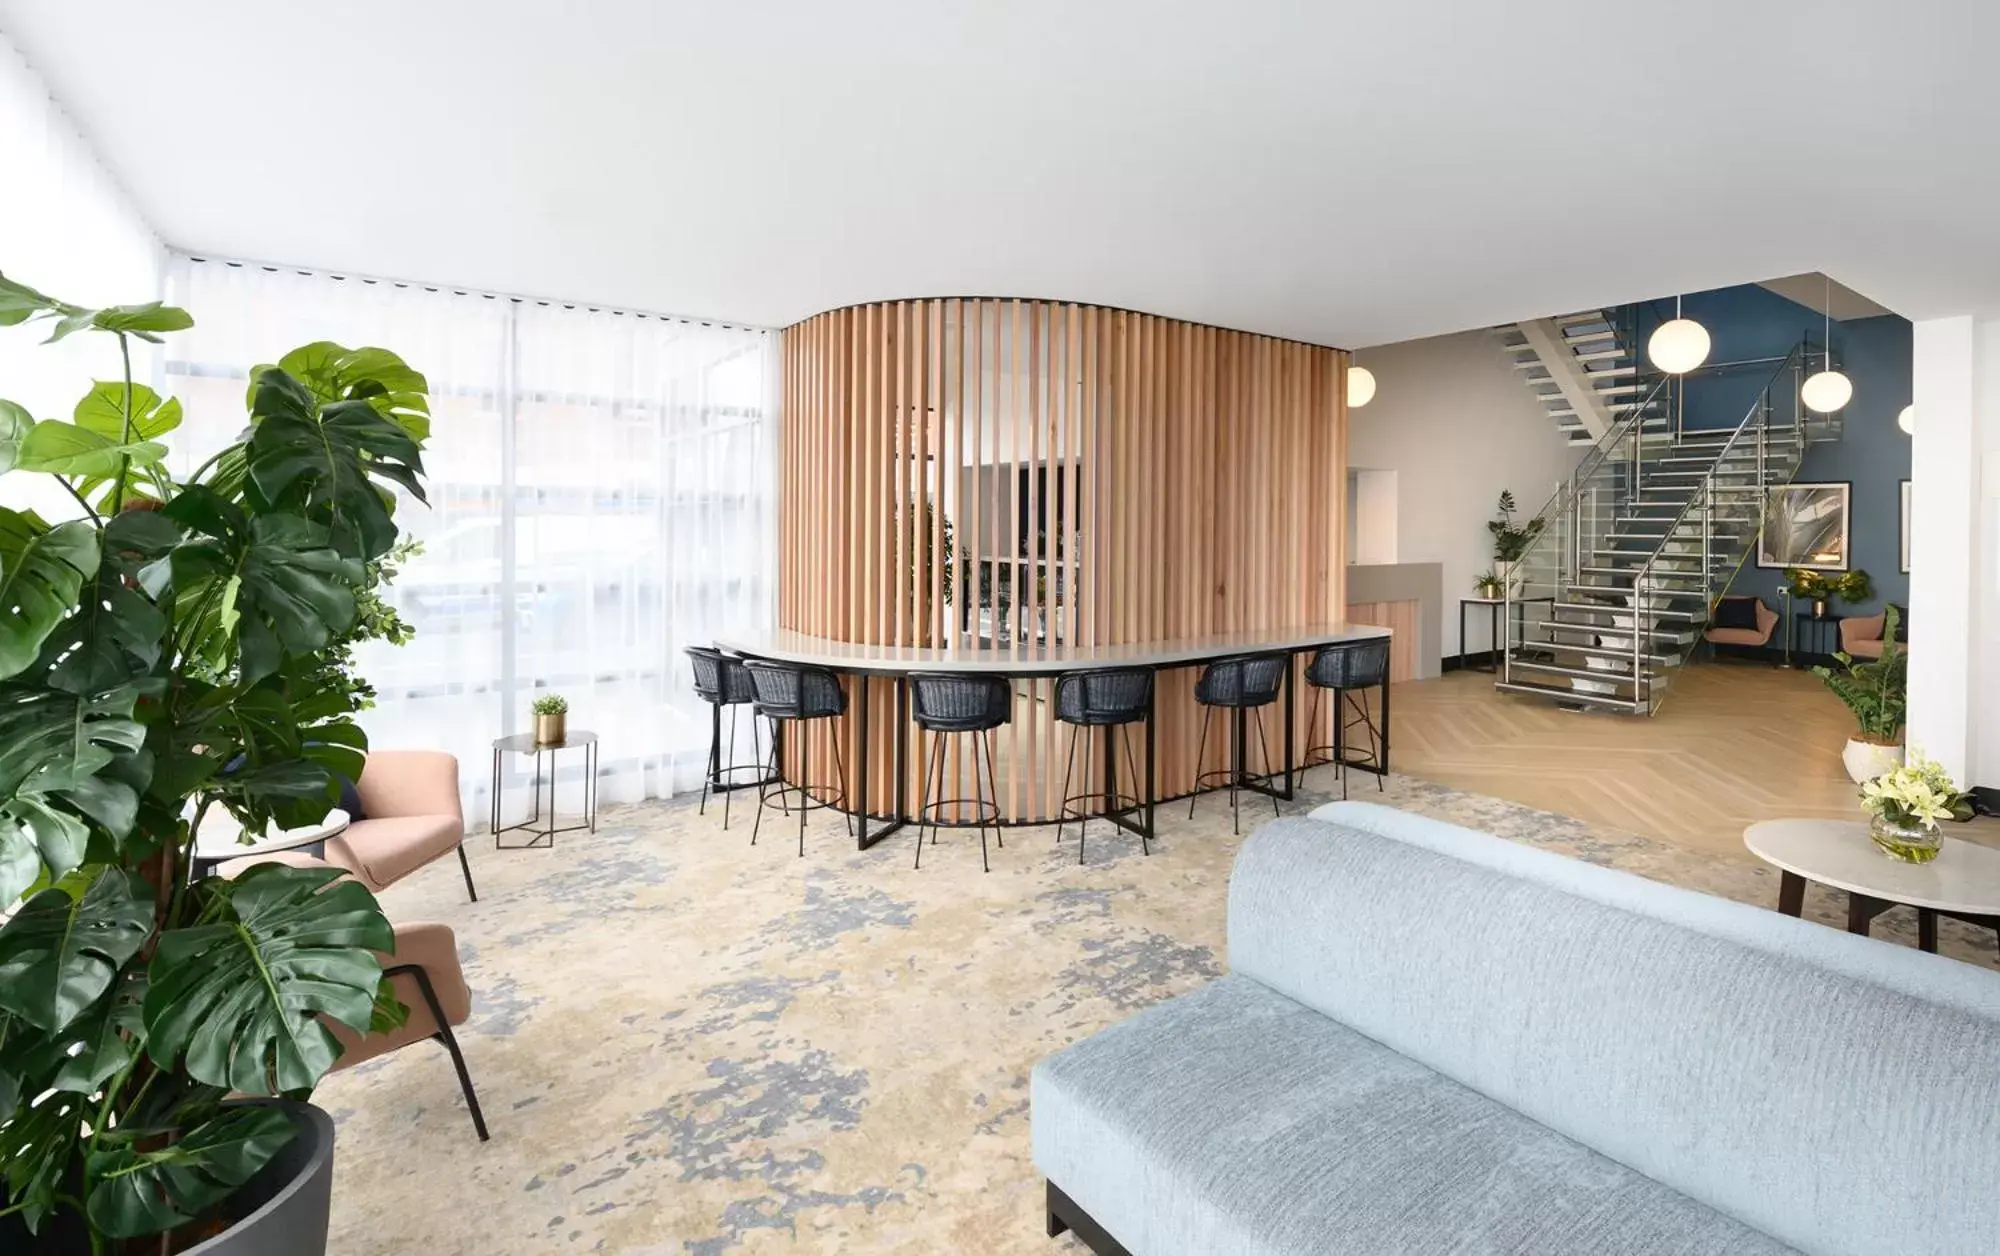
(1839, 1094)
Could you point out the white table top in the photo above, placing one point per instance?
(1964, 878)
(789, 646)
(225, 842)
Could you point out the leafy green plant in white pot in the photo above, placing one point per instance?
(1875, 690)
(173, 650)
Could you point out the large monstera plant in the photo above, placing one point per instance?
(162, 655)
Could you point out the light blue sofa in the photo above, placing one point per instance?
(1434, 1041)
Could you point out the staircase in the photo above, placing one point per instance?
(1585, 371)
(1632, 551)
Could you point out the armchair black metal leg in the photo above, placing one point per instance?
(465, 866)
(714, 751)
(444, 1036)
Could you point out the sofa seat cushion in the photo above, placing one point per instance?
(384, 851)
(1235, 1120)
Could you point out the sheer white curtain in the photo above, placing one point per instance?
(600, 498)
(67, 228)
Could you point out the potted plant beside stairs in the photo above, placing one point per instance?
(1875, 691)
(178, 647)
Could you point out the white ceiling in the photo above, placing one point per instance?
(1348, 173)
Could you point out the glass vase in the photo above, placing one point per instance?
(1909, 843)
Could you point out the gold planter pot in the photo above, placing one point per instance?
(551, 730)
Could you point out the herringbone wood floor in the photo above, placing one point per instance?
(1734, 743)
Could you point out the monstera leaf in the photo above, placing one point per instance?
(42, 569)
(137, 1192)
(319, 462)
(64, 758)
(269, 584)
(335, 373)
(66, 449)
(60, 953)
(15, 422)
(19, 304)
(115, 636)
(103, 411)
(237, 1002)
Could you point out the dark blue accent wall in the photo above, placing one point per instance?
(1873, 453)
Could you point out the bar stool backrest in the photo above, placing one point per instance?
(1249, 681)
(1362, 665)
(792, 691)
(1112, 695)
(944, 703)
(719, 678)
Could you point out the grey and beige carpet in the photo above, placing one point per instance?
(685, 1044)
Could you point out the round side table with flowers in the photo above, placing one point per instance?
(1962, 881)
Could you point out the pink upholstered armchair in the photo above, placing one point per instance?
(410, 800)
(430, 982)
(1767, 620)
(1861, 636)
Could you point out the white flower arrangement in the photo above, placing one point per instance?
(1916, 796)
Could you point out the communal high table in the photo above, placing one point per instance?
(898, 663)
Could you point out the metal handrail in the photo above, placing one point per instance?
(1705, 497)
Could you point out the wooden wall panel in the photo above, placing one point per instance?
(1098, 476)
(1400, 618)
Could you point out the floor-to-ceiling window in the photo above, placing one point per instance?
(600, 498)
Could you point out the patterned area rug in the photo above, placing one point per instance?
(686, 1044)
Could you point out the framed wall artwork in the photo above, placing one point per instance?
(1806, 525)
(1906, 525)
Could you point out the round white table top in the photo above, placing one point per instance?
(1964, 878)
(226, 843)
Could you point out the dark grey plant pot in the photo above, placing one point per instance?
(284, 1207)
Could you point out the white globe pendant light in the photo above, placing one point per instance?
(1678, 346)
(1906, 419)
(1828, 390)
(1360, 386)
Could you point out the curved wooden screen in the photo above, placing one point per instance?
(1032, 471)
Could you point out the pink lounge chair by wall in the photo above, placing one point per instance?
(1767, 620)
(411, 800)
(1861, 636)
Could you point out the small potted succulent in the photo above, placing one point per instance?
(1905, 805)
(551, 719)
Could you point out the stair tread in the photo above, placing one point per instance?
(1566, 694)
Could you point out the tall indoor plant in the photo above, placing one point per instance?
(179, 648)
(1876, 691)
(1510, 540)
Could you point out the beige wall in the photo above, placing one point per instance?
(1455, 423)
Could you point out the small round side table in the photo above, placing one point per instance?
(220, 846)
(542, 829)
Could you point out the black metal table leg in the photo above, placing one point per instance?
(864, 712)
(861, 761)
(1385, 724)
(1152, 775)
(1290, 666)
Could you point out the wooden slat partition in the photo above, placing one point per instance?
(1099, 476)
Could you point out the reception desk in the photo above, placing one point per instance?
(882, 791)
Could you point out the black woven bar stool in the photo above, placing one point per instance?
(1349, 672)
(1239, 686)
(723, 682)
(1114, 699)
(790, 693)
(944, 705)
